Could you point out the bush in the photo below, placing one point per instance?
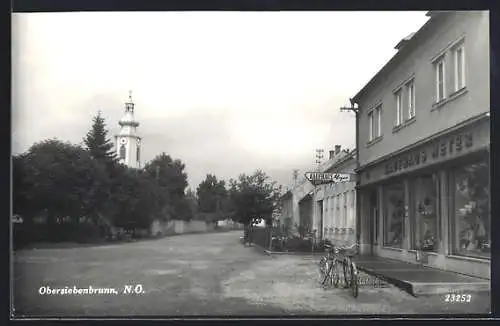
(298, 244)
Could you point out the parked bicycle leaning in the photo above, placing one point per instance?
(338, 262)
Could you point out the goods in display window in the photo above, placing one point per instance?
(472, 211)
(394, 214)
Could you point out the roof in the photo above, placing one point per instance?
(286, 194)
(405, 41)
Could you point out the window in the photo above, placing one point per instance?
(122, 152)
(345, 209)
(138, 154)
(337, 211)
(378, 118)
(375, 121)
(399, 107)
(371, 125)
(394, 211)
(425, 226)
(440, 82)
(410, 90)
(471, 191)
(459, 67)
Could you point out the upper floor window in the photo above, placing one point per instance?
(459, 56)
(399, 107)
(440, 80)
(410, 89)
(374, 121)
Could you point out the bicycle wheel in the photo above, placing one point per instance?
(326, 279)
(322, 269)
(351, 273)
(346, 266)
(336, 272)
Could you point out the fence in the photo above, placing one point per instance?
(261, 236)
(273, 238)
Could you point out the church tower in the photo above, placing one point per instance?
(127, 142)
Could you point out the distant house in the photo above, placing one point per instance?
(336, 202)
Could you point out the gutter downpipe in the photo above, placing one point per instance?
(358, 196)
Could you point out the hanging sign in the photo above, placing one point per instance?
(328, 177)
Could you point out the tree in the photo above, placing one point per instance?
(192, 199)
(253, 198)
(19, 186)
(170, 177)
(211, 194)
(137, 200)
(61, 180)
(96, 141)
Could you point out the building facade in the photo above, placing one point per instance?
(423, 142)
(127, 141)
(328, 209)
(336, 203)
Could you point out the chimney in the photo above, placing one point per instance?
(332, 154)
(337, 149)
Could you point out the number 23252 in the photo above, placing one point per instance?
(457, 298)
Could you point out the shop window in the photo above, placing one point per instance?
(393, 215)
(471, 191)
(425, 232)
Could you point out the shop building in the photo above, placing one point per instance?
(423, 144)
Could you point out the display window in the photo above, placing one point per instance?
(471, 210)
(394, 210)
(425, 213)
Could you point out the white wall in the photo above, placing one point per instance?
(179, 227)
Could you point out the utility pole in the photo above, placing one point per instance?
(295, 177)
(319, 157)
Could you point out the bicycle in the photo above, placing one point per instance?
(330, 267)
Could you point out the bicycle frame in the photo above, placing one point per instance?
(333, 260)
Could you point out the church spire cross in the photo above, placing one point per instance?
(129, 106)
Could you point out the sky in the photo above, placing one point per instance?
(225, 92)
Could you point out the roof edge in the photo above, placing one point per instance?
(359, 94)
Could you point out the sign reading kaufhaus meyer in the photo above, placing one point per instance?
(318, 178)
(444, 148)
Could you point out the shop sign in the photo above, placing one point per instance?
(328, 177)
(437, 150)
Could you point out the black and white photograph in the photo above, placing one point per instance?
(227, 164)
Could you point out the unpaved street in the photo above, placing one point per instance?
(199, 274)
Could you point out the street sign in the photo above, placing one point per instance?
(328, 177)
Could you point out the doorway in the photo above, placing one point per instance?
(374, 218)
(320, 210)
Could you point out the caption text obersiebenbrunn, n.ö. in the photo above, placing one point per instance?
(68, 290)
